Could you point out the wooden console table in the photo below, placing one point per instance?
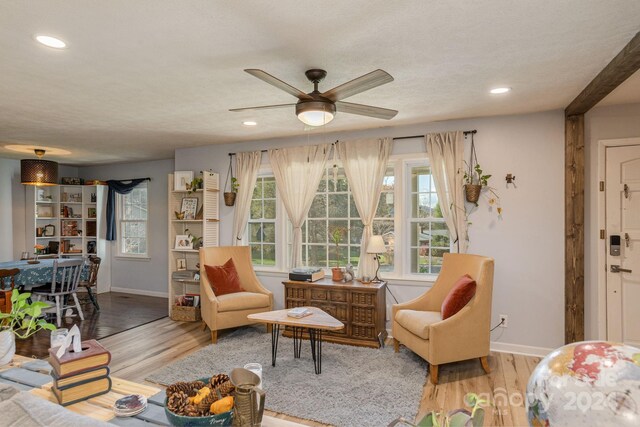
(362, 308)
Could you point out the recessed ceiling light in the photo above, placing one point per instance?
(51, 42)
(29, 149)
(250, 123)
(500, 90)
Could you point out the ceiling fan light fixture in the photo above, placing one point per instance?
(315, 113)
(37, 171)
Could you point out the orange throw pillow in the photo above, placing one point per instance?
(458, 297)
(224, 279)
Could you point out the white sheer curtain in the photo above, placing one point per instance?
(365, 163)
(247, 167)
(297, 172)
(445, 151)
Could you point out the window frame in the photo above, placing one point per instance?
(401, 165)
(120, 221)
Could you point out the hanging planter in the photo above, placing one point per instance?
(472, 192)
(474, 180)
(230, 196)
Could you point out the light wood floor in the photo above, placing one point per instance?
(138, 352)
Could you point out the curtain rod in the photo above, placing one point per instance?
(466, 132)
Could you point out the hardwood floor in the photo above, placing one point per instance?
(118, 312)
(140, 351)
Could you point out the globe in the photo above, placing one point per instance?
(586, 383)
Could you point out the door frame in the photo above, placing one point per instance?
(602, 225)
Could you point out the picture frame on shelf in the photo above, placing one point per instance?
(91, 247)
(189, 207)
(44, 212)
(49, 230)
(181, 264)
(183, 242)
(181, 179)
(91, 213)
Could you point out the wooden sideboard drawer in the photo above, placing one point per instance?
(362, 308)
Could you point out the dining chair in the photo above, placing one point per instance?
(5, 294)
(64, 282)
(92, 280)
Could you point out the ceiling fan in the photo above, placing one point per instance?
(317, 109)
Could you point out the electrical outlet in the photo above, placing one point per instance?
(504, 319)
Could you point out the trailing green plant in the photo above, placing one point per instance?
(195, 240)
(195, 184)
(474, 176)
(234, 184)
(24, 318)
(455, 418)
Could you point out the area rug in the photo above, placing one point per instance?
(357, 387)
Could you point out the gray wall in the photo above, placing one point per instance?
(613, 122)
(12, 211)
(144, 276)
(527, 243)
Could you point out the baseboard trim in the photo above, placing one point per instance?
(140, 292)
(501, 347)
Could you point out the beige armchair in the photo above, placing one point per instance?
(418, 324)
(231, 310)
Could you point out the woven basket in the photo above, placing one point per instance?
(229, 198)
(185, 313)
(472, 192)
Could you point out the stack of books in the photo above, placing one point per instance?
(80, 376)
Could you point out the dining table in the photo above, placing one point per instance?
(32, 275)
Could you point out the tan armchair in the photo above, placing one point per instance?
(231, 310)
(418, 324)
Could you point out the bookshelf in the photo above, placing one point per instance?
(205, 225)
(69, 216)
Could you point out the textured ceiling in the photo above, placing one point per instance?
(141, 78)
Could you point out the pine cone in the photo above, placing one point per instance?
(205, 404)
(190, 388)
(216, 380)
(177, 402)
(192, 411)
(225, 389)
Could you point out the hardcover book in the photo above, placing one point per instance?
(93, 355)
(82, 377)
(82, 391)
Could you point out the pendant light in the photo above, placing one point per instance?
(37, 171)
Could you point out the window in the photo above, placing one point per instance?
(262, 223)
(429, 237)
(132, 222)
(333, 213)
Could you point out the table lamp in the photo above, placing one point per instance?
(376, 247)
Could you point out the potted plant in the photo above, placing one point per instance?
(230, 196)
(195, 184)
(22, 321)
(474, 180)
(336, 234)
(196, 241)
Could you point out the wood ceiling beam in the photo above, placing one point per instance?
(626, 63)
(617, 71)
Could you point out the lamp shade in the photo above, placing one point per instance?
(38, 172)
(376, 245)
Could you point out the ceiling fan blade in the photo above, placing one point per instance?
(365, 110)
(263, 107)
(274, 81)
(368, 81)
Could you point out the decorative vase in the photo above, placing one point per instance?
(229, 198)
(472, 192)
(337, 274)
(7, 347)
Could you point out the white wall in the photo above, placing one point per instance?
(527, 243)
(612, 122)
(144, 276)
(12, 211)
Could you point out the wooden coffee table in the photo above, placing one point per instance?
(315, 323)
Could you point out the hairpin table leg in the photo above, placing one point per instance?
(275, 333)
